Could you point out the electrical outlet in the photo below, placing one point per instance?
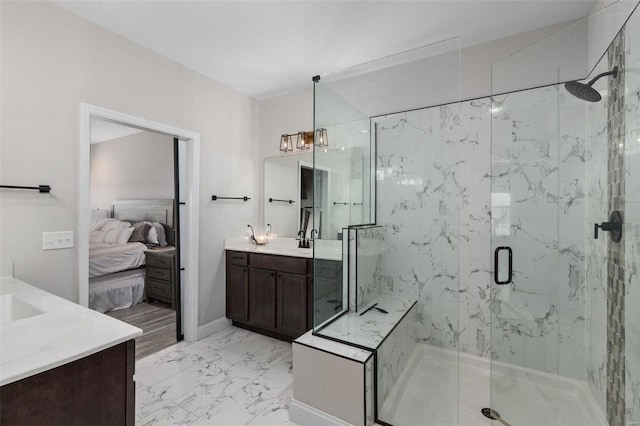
(57, 240)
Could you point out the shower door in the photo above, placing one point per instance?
(537, 241)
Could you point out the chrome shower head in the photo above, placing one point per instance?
(586, 92)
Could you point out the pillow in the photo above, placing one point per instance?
(162, 235)
(118, 236)
(152, 236)
(109, 224)
(96, 237)
(140, 232)
(112, 236)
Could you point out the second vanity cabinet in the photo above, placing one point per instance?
(269, 293)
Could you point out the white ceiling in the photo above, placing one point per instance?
(264, 48)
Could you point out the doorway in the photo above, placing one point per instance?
(186, 149)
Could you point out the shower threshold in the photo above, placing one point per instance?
(451, 389)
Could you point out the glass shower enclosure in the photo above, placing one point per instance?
(469, 261)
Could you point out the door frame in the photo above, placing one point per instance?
(326, 190)
(190, 250)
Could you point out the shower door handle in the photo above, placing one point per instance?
(496, 263)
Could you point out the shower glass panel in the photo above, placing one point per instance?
(549, 159)
(398, 214)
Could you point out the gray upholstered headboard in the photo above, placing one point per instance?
(151, 210)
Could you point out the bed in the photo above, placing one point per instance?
(117, 265)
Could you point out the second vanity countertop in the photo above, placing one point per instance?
(324, 249)
(59, 332)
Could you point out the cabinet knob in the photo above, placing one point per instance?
(272, 274)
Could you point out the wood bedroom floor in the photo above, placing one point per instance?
(158, 324)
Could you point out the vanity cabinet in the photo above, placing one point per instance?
(95, 390)
(237, 287)
(269, 294)
(292, 304)
(262, 298)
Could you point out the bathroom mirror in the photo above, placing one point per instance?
(289, 193)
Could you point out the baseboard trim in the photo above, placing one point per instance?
(213, 327)
(303, 414)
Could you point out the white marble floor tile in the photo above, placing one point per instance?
(245, 349)
(230, 378)
(225, 338)
(276, 412)
(276, 380)
(214, 390)
(267, 357)
(170, 361)
(227, 413)
(168, 415)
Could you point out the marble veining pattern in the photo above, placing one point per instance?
(393, 355)
(369, 329)
(233, 377)
(369, 254)
(445, 190)
(343, 350)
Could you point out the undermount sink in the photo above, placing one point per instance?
(13, 308)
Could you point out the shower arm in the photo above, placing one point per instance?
(613, 72)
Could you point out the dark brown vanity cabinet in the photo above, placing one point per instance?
(237, 287)
(262, 298)
(95, 390)
(269, 293)
(292, 304)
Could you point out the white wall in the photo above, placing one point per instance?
(283, 114)
(292, 112)
(134, 167)
(51, 62)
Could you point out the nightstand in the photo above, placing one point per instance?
(160, 275)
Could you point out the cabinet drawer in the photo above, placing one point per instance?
(294, 265)
(158, 289)
(159, 274)
(237, 258)
(159, 261)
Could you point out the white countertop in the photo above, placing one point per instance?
(62, 333)
(324, 249)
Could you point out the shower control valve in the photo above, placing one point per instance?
(614, 226)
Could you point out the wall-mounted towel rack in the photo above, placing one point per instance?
(335, 203)
(271, 200)
(43, 189)
(217, 197)
(358, 204)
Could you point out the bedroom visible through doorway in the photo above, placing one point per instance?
(134, 238)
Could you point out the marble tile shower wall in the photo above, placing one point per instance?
(434, 197)
(632, 226)
(393, 355)
(369, 254)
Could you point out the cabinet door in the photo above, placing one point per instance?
(237, 292)
(292, 306)
(262, 298)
